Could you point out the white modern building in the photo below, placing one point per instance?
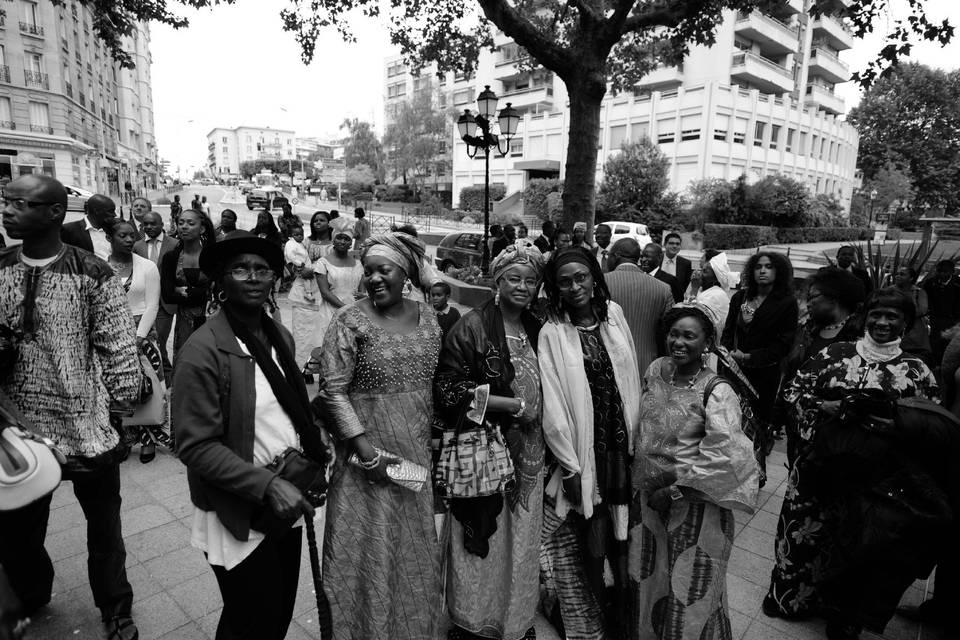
(66, 108)
(760, 101)
(227, 148)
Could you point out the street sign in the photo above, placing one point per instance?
(333, 175)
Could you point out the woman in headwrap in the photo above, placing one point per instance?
(591, 396)
(488, 374)
(338, 276)
(381, 555)
(715, 281)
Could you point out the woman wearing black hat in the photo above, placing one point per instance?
(240, 402)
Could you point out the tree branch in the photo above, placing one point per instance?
(666, 16)
(588, 13)
(548, 53)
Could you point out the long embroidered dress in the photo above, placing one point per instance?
(496, 596)
(343, 283)
(800, 546)
(678, 558)
(381, 555)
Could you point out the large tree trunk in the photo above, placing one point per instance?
(586, 93)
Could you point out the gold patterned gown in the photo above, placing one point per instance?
(678, 558)
(381, 555)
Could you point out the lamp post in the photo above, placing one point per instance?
(467, 126)
(873, 196)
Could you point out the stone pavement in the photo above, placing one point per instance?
(176, 596)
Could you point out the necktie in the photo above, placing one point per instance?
(603, 260)
(153, 250)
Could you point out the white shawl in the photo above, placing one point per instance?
(568, 406)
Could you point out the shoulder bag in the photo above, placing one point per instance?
(29, 463)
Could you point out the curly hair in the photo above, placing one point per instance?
(895, 298)
(782, 284)
(681, 311)
(600, 299)
(839, 285)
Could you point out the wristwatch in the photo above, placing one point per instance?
(675, 493)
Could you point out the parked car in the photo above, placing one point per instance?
(76, 197)
(635, 230)
(267, 198)
(458, 250)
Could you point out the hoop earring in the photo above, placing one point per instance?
(221, 296)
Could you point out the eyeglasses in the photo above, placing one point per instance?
(242, 274)
(516, 281)
(22, 203)
(567, 283)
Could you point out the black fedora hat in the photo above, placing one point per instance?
(213, 255)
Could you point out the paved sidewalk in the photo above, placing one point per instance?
(176, 596)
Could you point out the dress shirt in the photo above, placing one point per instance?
(153, 247)
(669, 265)
(101, 246)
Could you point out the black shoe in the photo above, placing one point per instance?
(842, 631)
(122, 628)
(148, 452)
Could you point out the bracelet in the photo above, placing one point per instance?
(371, 464)
(523, 406)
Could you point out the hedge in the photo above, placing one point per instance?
(745, 236)
(471, 198)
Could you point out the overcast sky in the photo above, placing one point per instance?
(236, 66)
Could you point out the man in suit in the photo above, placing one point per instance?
(846, 257)
(644, 299)
(602, 235)
(508, 238)
(154, 246)
(139, 208)
(99, 210)
(544, 241)
(675, 264)
(650, 262)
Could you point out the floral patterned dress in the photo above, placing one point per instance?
(800, 549)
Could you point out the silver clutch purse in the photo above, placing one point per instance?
(406, 474)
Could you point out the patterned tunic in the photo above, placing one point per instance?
(799, 547)
(381, 555)
(75, 350)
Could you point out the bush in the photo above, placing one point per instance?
(536, 200)
(163, 200)
(396, 193)
(737, 236)
(471, 198)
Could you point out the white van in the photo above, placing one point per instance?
(635, 230)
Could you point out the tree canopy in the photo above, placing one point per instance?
(909, 124)
(363, 147)
(415, 138)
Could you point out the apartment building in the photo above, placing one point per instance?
(66, 108)
(227, 148)
(760, 101)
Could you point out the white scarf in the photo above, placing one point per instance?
(873, 352)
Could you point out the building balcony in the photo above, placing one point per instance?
(5, 74)
(540, 96)
(36, 79)
(774, 36)
(31, 29)
(824, 99)
(831, 29)
(40, 128)
(765, 75)
(827, 65)
(661, 78)
(7, 124)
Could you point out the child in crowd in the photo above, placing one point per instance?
(296, 257)
(447, 316)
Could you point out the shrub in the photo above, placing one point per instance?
(737, 236)
(471, 198)
(163, 200)
(536, 200)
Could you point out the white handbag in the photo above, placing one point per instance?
(29, 463)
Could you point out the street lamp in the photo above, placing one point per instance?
(485, 140)
(873, 196)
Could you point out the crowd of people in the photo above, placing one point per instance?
(576, 445)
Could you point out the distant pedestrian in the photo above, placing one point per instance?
(675, 264)
(74, 369)
(138, 208)
(154, 246)
(509, 237)
(651, 262)
(847, 260)
(361, 229)
(544, 241)
(602, 235)
(204, 205)
(182, 282)
(495, 233)
(580, 235)
(195, 203)
(175, 210)
(228, 224)
(943, 297)
(447, 316)
(266, 228)
(916, 340)
(288, 222)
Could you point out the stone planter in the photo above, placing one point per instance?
(470, 295)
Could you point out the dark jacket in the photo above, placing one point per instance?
(196, 294)
(672, 282)
(684, 272)
(75, 233)
(770, 335)
(214, 424)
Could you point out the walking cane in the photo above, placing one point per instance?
(324, 616)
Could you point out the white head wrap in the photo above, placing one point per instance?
(721, 270)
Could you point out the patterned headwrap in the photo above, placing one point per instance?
(517, 255)
(401, 249)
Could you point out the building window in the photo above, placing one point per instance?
(463, 97)
(790, 134)
(224, 139)
(6, 115)
(40, 117)
(813, 146)
(29, 23)
(690, 134)
(758, 133)
(774, 136)
(823, 146)
(395, 69)
(516, 147)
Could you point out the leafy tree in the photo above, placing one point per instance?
(894, 192)
(777, 201)
(635, 178)
(826, 211)
(363, 147)
(250, 168)
(536, 197)
(591, 45)
(414, 139)
(359, 177)
(911, 119)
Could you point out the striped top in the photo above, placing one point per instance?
(644, 300)
(74, 353)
